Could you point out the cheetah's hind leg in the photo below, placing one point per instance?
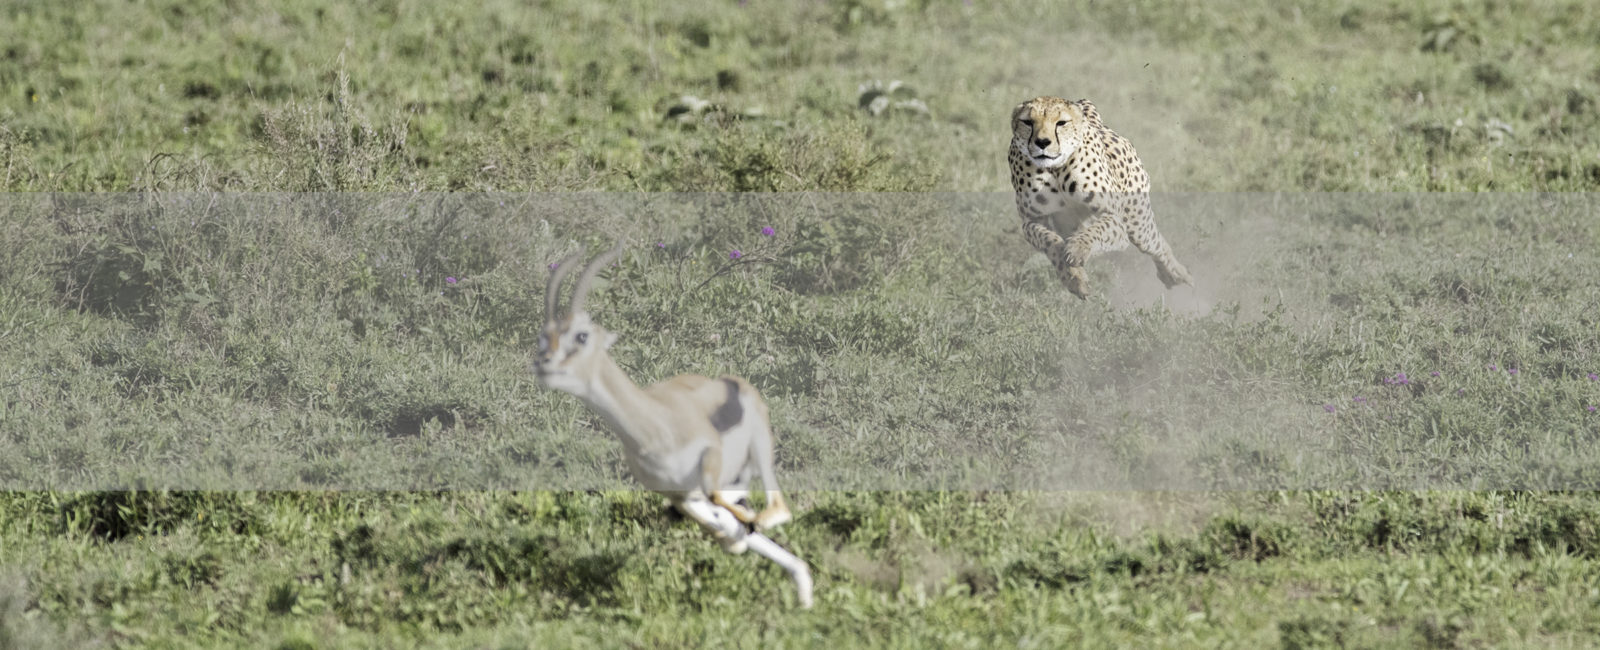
(1168, 268)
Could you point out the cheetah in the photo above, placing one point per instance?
(1061, 149)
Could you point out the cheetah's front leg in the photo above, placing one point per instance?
(1069, 267)
(1095, 235)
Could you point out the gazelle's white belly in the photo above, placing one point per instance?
(678, 470)
(668, 471)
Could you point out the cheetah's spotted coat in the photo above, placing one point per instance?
(1060, 150)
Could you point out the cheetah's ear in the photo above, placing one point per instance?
(1088, 108)
(1016, 113)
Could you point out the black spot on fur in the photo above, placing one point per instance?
(731, 412)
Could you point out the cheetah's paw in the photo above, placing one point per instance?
(1076, 281)
(1174, 275)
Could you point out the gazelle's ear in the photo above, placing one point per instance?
(610, 339)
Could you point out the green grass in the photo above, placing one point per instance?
(342, 450)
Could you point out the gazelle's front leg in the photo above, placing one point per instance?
(723, 525)
(728, 531)
(776, 512)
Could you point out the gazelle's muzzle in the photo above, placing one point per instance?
(546, 353)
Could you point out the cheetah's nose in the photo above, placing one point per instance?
(1042, 142)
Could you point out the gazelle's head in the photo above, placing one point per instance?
(572, 347)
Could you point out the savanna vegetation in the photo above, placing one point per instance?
(272, 277)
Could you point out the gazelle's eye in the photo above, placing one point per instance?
(1061, 123)
(581, 337)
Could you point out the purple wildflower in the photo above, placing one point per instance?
(661, 245)
(1360, 400)
(768, 231)
(450, 280)
(1511, 370)
(1591, 408)
(735, 254)
(1493, 367)
(1329, 408)
(553, 265)
(1594, 377)
(1435, 373)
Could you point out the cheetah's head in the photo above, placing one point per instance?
(1046, 130)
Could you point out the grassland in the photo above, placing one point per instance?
(343, 448)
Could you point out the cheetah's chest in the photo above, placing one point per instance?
(1046, 191)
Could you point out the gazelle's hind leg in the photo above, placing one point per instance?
(735, 496)
(777, 512)
(710, 483)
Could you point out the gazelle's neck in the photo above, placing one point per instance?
(624, 405)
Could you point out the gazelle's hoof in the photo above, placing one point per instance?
(731, 544)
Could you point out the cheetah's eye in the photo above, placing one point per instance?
(1028, 122)
(581, 337)
(1061, 123)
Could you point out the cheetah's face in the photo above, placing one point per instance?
(1045, 130)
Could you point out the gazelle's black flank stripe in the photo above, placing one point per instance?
(731, 412)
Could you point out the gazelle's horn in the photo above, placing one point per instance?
(552, 291)
(593, 269)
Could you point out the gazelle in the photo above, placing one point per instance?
(694, 439)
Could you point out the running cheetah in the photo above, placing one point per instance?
(1061, 149)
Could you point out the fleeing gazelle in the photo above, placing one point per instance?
(694, 439)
